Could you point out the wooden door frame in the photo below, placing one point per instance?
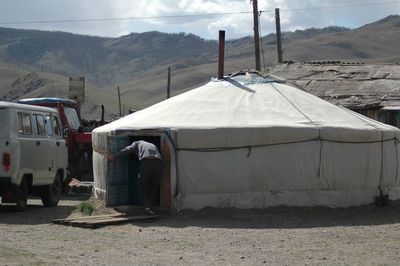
(167, 150)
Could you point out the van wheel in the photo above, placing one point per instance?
(52, 193)
(20, 194)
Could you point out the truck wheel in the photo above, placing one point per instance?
(20, 194)
(52, 193)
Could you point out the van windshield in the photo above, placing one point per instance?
(72, 117)
(4, 123)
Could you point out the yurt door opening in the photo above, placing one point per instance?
(123, 174)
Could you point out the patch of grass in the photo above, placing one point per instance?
(85, 207)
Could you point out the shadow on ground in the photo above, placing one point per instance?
(281, 217)
(36, 213)
(271, 218)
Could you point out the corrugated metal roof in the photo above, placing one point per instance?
(347, 84)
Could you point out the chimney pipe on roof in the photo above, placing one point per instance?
(221, 54)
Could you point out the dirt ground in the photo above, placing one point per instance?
(366, 235)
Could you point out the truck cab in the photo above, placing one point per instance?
(79, 142)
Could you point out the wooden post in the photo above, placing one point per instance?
(169, 83)
(256, 35)
(166, 178)
(102, 115)
(119, 102)
(221, 54)
(278, 35)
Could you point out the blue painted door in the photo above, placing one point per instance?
(117, 173)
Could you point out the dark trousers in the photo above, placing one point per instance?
(149, 180)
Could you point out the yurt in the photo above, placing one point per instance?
(251, 141)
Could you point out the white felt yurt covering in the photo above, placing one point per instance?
(252, 142)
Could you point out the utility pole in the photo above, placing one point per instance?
(119, 102)
(256, 35)
(278, 35)
(169, 83)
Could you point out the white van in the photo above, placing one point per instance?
(33, 154)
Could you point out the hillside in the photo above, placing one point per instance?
(104, 61)
(17, 83)
(333, 43)
(37, 63)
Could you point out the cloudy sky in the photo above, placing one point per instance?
(114, 18)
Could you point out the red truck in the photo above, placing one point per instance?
(79, 142)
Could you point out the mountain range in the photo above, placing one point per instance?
(38, 63)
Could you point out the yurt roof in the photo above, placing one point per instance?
(253, 101)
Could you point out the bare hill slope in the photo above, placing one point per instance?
(17, 83)
(37, 63)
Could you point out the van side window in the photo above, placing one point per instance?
(56, 126)
(40, 124)
(24, 124)
(49, 126)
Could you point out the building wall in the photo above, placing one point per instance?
(390, 117)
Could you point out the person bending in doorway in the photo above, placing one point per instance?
(150, 170)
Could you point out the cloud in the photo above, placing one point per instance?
(295, 14)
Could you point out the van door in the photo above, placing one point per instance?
(60, 149)
(45, 151)
(27, 147)
(7, 146)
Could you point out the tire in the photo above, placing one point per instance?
(20, 194)
(52, 193)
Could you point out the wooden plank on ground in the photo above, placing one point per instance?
(56, 221)
(96, 221)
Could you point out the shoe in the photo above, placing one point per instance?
(148, 211)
